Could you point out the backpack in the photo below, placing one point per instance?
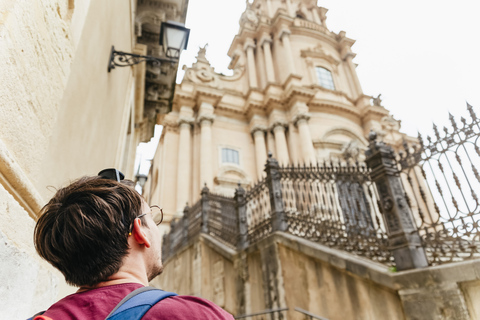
(132, 307)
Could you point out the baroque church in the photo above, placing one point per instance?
(266, 222)
(294, 92)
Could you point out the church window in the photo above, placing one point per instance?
(230, 156)
(325, 78)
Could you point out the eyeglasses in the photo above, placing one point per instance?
(157, 214)
(112, 174)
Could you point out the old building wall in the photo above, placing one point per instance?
(62, 115)
(329, 292)
(202, 269)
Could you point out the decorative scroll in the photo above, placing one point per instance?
(443, 183)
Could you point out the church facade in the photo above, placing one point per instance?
(294, 92)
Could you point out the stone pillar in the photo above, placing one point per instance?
(290, 9)
(285, 37)
(185, 225)
(306, 143)
(403, 238)
(281, 143)
(266, 43)
(279, 219)
(241, 205)
(205, 209)
(252, 69)
(316, 16)
(184, 163)
(260, 150)
(206, 172)
(270, 8)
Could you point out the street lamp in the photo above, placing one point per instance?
(173, 38)
(141, 180)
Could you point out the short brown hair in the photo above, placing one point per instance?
(83, 230)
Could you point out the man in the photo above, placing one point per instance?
(103, 237)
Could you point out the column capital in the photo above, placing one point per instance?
(301, 116)
(186, 120)
(265, 39)
(278, 124)
(205, 117)
(249, 43)
(258, 128)
(284, 32)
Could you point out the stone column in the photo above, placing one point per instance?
(206, 172)
(285, 37)
(306, 143)
(184, 163)
(270, 8)
(316, 16)
(290, 9)
(348, 58)
(252, 69)
(266, 43)
(404, 241)
(281, 143)
(260, 150)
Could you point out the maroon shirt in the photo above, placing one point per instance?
(98, 303)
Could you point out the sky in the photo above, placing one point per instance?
(422, 56)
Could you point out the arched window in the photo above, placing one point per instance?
(324, 78)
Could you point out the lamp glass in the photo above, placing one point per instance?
(174, 38)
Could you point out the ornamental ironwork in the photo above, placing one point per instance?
(335, 205)
(442, 183)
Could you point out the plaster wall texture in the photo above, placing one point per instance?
(61, 116)
(92, 123)
(27, 283)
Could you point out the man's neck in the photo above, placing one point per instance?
(118, 278)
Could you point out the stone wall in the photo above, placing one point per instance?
(286, 271)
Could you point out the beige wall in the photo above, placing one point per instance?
(61, 116)
(202, 271)
(326, 282)
(331, 293)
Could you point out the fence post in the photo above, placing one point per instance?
(404, 241)
(173, 226)
(241, 205)
(185, 224)
(279, 219)
(205, 209)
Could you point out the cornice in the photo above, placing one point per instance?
(334, 105)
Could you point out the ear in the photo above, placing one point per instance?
(138, 233)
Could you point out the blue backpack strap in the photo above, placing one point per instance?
(137, 303)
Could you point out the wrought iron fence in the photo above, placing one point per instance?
(442, 182)
(339, 205)
(335, 205)
(222, 219)
(258, 212)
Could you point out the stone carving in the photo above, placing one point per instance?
(249, 18)
(351, 151)
(377, 101)
(155, 91)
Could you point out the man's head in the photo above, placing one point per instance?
(84, 229)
